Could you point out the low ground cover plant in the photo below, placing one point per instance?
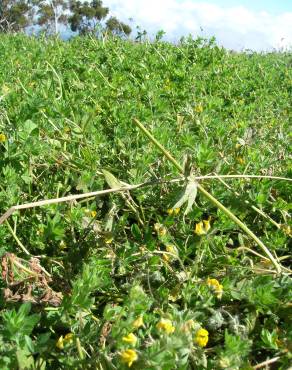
(155, 277)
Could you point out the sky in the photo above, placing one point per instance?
(260, 25)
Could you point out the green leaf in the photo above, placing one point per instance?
(28, 128)
(269, 338)
(112, 181)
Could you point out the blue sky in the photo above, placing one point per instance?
(273, 6)
(260, 25)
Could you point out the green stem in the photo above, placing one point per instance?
(16, 239)
(210, 197)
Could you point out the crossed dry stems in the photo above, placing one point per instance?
(125, 188)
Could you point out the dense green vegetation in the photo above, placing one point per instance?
(124, 279)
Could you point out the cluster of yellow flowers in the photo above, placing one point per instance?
(166, 326)
(173, 211)
(201, 338)
(216, 287)
(128, 356)
(2, 138)
(203, 227)
(62, 341)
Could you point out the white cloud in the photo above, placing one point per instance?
(234, 27)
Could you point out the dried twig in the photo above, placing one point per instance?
(69, 198)
(266, 363)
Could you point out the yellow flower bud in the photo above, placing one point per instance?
(60, 342)
(198, 108)
(2, 138)
(63, 245)
(240, 160)
(166, 257)
(207, 225)
(171, 249)
(160, 229)
(138, 322)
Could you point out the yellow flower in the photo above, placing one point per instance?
(138, 322)
(199, 230)
(93, 214)
(64, 340)
(129, 356)
(165, 325)
(63, 245)
(2, 138)
(130, 338)
(216, 286)
(237, 146)
(69, 338)
(160, 229)
(198, 108)
(207, 225)
(171, 249)
(202, 337)
(5, 89)
(166, 257)
(173, 211)
(240, 160)
(203, 227)
(60, 342)
(286, 229)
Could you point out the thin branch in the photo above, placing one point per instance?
(244, 177)
(69, 198)
(266, 363)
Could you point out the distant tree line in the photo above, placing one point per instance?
(81, 16)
